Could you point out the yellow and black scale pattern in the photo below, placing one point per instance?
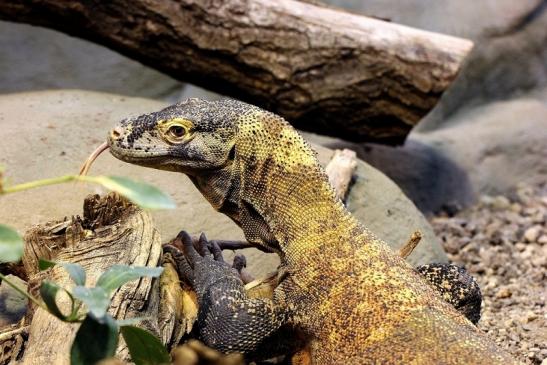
(352, 298)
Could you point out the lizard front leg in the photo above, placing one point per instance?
(228, 320)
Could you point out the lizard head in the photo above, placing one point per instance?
(190, 137)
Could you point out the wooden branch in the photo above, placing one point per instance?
(340, 170)
(122, 234)
(323, 69)
(411, 244)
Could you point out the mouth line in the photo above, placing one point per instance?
(134, 156)
(123, 154)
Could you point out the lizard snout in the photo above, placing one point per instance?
(116, 133)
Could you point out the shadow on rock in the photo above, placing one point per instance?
(430, 179)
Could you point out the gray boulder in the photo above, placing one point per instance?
(41, 59)
(13, 305)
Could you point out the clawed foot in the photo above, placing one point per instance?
(227, 319)
(189, 253)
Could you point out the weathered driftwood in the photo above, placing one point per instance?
(323, 69)
(411, 244)
(112, 231)
(12, 344)
(340, 170)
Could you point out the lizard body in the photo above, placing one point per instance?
(351, 297)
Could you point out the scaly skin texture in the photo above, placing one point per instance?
(351, 297)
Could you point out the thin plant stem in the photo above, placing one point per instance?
(23, 292)
(38, 183)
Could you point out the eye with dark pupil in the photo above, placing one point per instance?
(177, 131)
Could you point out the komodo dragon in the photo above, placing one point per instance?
(348, 295)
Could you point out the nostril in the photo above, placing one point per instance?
(116, 133)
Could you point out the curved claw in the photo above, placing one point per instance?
(239, 262)
(192, 255)
(203, 245)
(217, 252)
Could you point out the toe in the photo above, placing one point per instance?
(189, 250)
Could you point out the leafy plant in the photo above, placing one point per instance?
(97, 337)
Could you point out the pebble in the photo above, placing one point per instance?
(532, 233)
(503, 293)
(502, 242)
(529, 317)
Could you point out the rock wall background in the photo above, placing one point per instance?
(497, 103)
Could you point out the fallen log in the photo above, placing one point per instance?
(323, 69)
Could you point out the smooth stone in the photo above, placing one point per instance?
(13, 305)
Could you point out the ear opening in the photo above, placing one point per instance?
(232, 153)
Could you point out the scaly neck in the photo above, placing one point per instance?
(283, 181)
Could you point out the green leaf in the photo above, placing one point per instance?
(44, 264)
(96, 339)
(48, 291)
(144, 347)
(96, 299)
(145, 195)
(11, 245)
(75, 271)
(117, 275)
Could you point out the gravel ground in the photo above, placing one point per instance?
(502, 241)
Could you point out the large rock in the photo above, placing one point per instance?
(500, 144)
(39, 59)
(433, 181)
(13, 305)
(486, 149)
(464, 18)
(47, 134)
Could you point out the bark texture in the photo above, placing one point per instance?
(12, 344)
(111, 232)
(323, 69)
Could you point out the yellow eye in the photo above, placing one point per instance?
(177, 131)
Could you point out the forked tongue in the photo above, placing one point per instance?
(87, 164)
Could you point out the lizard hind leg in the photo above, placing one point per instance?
(456, 286)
